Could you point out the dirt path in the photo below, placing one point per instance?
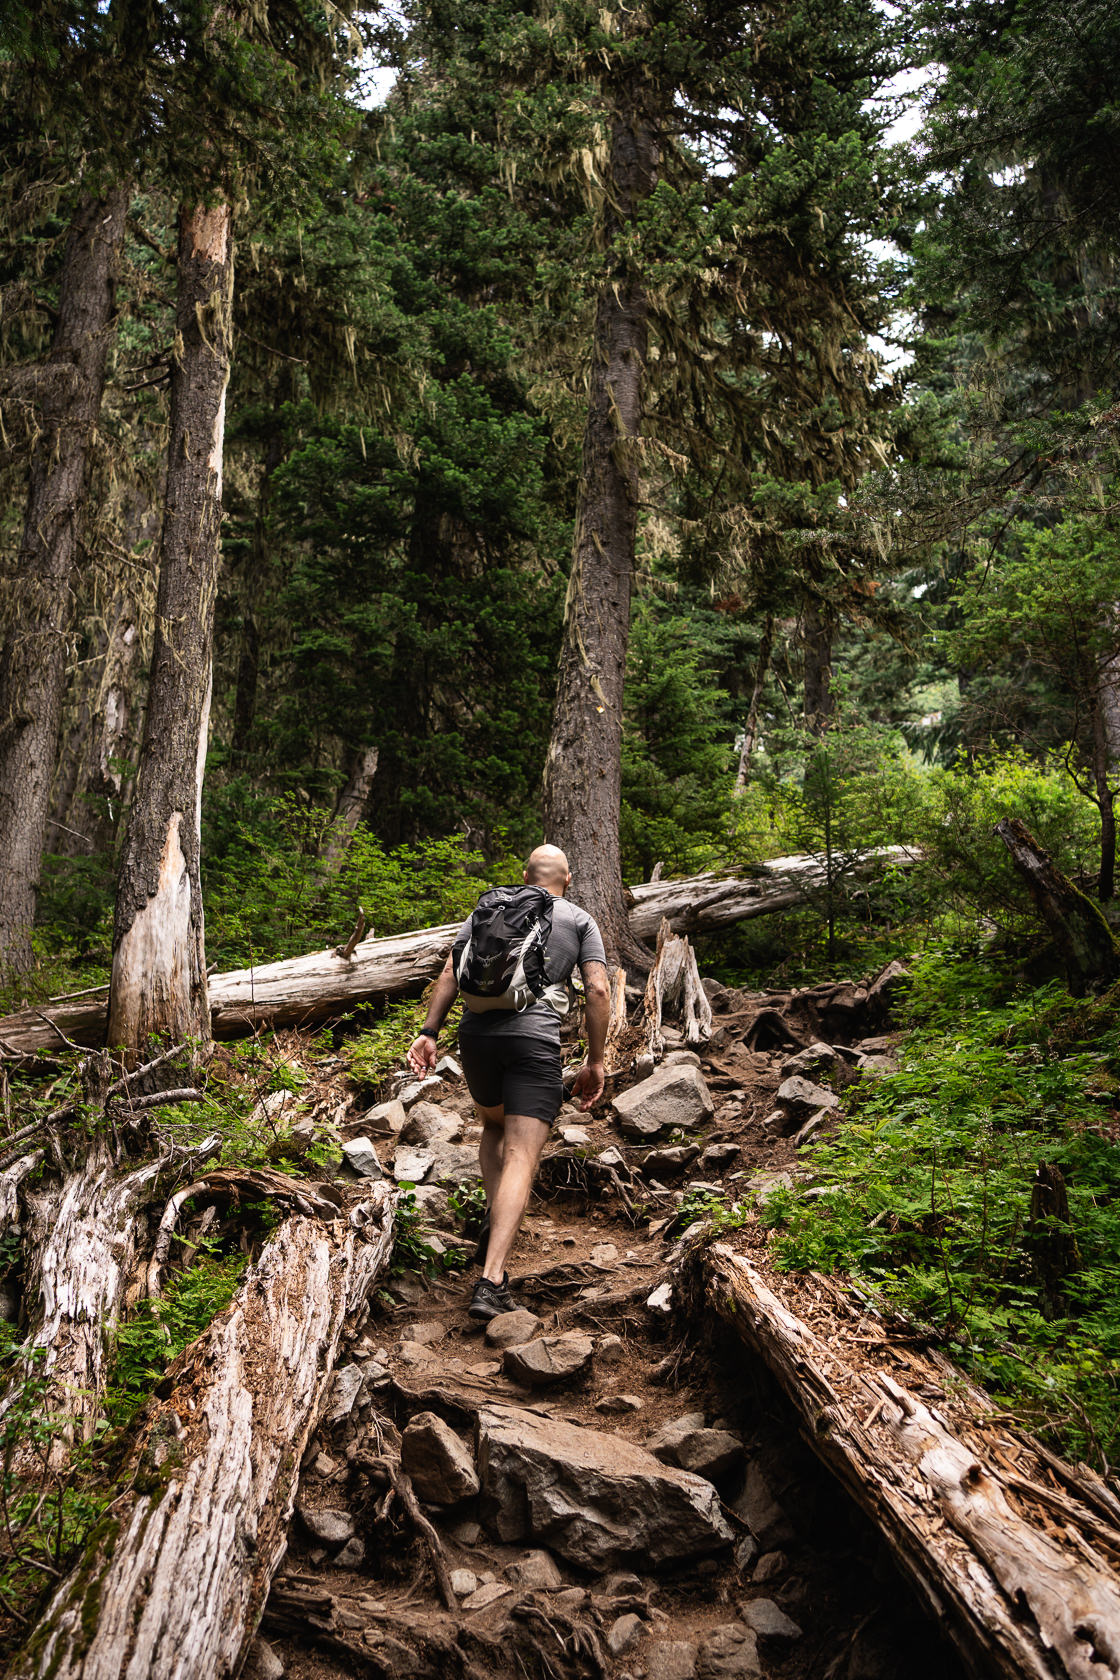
(546, 1570)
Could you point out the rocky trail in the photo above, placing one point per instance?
(600, 1483)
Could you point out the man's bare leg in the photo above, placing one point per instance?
(508, 1156)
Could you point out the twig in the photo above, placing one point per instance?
(157, 1099)
(138, 1073)
(401, 1484)
(54, 1026)
(347, 951)
(89, 991)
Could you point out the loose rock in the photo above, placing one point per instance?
(426, 1123)
(706, 1452)
(484, 1595)
(329, 1526)
(610, 1350)
(537, 1571)
(437, 1461)
(345, 1392)
(810, 1063)
(598, 1500)
(764, 1616)
(728, 1652)
(661, 1300)
(622, 1632)
(575, 1136)
(618, 1404)
(262, 1662)
(362, 1157)
(675, 1096)
(385, 1119)
(463, 1582)
(511, 1329)
(352, 1555)
(412, 1166)
(669, 1163)
(550, 1359)
(719, 1155)
(799, 1098)
(673, 1660)
(760, 1511)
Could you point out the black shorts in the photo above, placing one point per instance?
(521, 1075)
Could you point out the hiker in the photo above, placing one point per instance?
(511, 959)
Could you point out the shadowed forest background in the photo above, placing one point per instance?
(684, 432)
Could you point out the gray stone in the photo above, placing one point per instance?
(881, 1046)
(437, 1461)
(412, 1166)
(452, 1163)
(262, 1662)
(812, 1062)
(664, 1443)
(610, 1350)
(680, 1058)
(463, 1582)
(728, 1652)
(661, 1300)
(878, 1066)
(326, 1524)
(426, 1332)
(362, 1157)
(467, 1533)
(619, 1404)
(448, 1068)
(426, 1124)
(622, 1583)
(598, 1500)
(323, 1466)
(815, 1124)
(719, 1155)
(575, 1136)
(762, 1185)
(352, 1555)
(745, 1553)
(385, 1119)
(706, 1452)
(769, 1567)
(674, 1659)
(346, 1391)
(603, 1255)
(759, 1509)
(622, 1632)
(416, 1088)
(550, 1359)
(537, 1571)
(798, 1098)
(511, 1329)
(485, 1595)
(764, 1616)
(669, 1163)
(571, 1599)
(611, 1157)
(674, 1096)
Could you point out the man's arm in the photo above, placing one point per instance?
(597, 1013)
(422, 1050)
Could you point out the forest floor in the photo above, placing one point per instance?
(805, 1588)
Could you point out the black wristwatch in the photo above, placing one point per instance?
(427, 1032)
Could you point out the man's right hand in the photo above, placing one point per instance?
(422, 1055)
(589, 1083)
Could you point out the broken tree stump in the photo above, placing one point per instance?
(1083, 937)
(1020, 1599)
(174, 1580)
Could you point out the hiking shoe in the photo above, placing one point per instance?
(490, 1299)
(483, 1242)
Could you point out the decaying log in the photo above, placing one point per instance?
(80, 1238)
(1082, 935)
(616, 1026)
(1016, 1600)
(673, 986)
(304, 990)
(174, 1581)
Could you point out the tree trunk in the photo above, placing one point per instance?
(1080, 932)
(352, 802)
(1019, 1573)
(303, 990)
(159, 965)
(174, 1582)
(583, 768)
(1103, 748)
(33, 658)
(750, 728)
(101, 734)
(816, 638)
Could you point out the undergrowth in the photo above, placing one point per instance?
(929, 1193)
(146, 1345)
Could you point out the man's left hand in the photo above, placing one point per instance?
(589, 1084)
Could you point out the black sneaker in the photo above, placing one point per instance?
(490, 1299)
(483, 1242)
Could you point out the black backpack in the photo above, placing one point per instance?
(503, 963)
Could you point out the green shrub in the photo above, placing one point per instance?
(146, 1344)
(925, 1193)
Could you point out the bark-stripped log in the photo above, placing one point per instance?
(80, 1238)
(1016, 1602)
(304, 990)
(673, 987)
(175, 1581)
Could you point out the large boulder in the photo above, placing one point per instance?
(798, 1099)
(676, 1095)
(598, 1500)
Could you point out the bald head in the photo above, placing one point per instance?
(548, 867)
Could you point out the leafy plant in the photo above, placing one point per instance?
(146, 1344)
(411, 1251)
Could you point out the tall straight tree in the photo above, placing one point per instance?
(68, 388)
(158, 980)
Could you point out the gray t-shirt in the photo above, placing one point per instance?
(574, 939)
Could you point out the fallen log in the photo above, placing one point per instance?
(1018, 1596)
(174, 1580)
(303, 990)
(1082, 935)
